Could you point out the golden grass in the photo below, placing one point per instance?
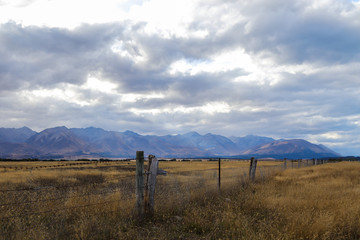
(22, 172)
(174, 167)
(319, 202)
(96, 201)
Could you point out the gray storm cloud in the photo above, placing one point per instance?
(302, 80)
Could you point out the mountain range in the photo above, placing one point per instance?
(63, 142)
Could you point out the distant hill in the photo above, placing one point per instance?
(15, 135)
(294, 148)
(62, 142)
(244, 143)
(58, 141)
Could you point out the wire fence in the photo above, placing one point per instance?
(60, 206)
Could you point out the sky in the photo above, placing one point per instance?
(279, 68)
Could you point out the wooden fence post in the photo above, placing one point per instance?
(147, 175)
(151, 185)
(139, 191)
(252, 171)
(251, 164)
(219, 175)
(284, 163)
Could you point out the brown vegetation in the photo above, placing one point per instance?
(96, 201)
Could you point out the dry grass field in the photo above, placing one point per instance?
(95, 200)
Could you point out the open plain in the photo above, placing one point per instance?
(96, 199)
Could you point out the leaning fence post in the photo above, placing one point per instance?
(151, 184)
(219, 175)
(139, 184)
(147, 175)
(251, 164)
(252, 170)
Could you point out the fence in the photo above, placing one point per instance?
(78, 199)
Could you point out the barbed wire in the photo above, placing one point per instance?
(167, 182)
(166, 185)
(59, 209)
(64, 198)
(46, 166)
(62, 187)
(63, 165)
(107, 192)
(68, 232)
(92, 183)
(124, 177)
(54, 222)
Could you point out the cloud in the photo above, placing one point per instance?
(285, 69)
(313, 31)
(47, 56)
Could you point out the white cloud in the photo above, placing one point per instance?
(71, 93)
(167, 18)
(96, 84)
(133, 98)
(67, 94)
(161, 16)
(209, 108)
(62, 13)
(225, 61)
(332, 135)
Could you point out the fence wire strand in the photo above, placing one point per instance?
(174, 184)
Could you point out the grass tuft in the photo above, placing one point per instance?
(97, 202)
